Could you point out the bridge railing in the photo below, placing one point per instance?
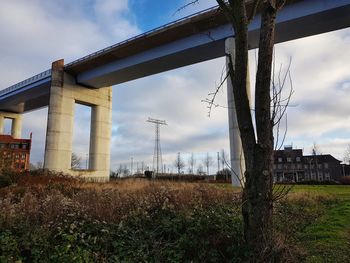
(139, 36)
(26, 82)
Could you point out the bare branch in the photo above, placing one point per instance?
(253, 12)
(185, 6)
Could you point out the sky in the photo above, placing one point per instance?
(35, 33)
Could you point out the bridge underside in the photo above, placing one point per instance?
(179, 45)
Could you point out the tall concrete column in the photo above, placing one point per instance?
(236, 151)
(16, 129)
(100, 136)
(64, 93)
(58, 148)
(2, 121)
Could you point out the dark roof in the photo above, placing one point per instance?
(9, 139)
(321, 158)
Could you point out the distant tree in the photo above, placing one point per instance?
(39, 165)
(316, 149)
(191, 163)
(124, 170)
(223, 158)
(114, 174)
(208, 161)
(224, 174)
(200, 169)
(346, 158)
(179, 163)
(76, 160)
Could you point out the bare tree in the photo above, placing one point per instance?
(258, 143)
(346, 158)
(208, 161)
(179, 163)
(316, 150)
(191, 163)
(200, 170)
(76, 160)
(223, 158)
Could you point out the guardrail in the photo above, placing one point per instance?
(26, 82)
(139, 36)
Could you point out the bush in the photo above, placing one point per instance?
(345, 180)
(4, 181)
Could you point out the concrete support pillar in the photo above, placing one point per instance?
(100, 137)
(64, 93)
(16, 129)
(236, 151)
(2, 122)
(58, 148)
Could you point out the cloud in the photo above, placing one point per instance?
(176, 97)
(35, 33)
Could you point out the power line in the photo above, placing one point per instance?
(157, 156)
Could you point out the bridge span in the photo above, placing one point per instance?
(88, 80)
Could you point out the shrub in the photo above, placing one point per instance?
(345, 180)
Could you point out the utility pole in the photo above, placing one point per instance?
(157, 155)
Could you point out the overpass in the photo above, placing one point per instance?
(88, 80)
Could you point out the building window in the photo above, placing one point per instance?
(23, 156)
(24, 146)
(327, 177)
(2, 146)
(297, 159)
(292, 166)
(319, 166)
(279, 159)
(299, 166)
(306, 166)
(326, 165)
(279, 166)
(289, 160)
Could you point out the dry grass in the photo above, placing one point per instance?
(46, 199)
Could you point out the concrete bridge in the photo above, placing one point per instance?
(88, 80)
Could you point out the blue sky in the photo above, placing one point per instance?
(35, 33)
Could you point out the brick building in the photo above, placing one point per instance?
(14, 153)
(290, 165)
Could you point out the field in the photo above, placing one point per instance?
(59, 219)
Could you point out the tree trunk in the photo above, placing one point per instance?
(257, 196)
(257, 203)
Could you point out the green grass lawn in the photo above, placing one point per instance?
(328, 238)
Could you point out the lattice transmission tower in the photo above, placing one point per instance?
(157, 156)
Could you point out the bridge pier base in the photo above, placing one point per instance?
(16, 127)
(64, 93)
(236, 150)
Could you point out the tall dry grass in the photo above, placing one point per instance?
(49, 199)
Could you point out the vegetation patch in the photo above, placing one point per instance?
(55, 218)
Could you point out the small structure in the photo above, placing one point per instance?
(14, 153)
(290, 165)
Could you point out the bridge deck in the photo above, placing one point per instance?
(190, 40)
